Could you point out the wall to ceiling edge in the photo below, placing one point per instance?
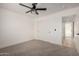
(14, 28)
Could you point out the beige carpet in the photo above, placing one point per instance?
(37, 48)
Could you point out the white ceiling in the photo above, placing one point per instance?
(51, 8)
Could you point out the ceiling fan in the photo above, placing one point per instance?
(33, 8)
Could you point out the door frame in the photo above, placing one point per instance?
(64, 20)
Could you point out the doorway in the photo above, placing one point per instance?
(68, 31)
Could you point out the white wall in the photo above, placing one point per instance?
(45, 26)
(14, 28)
(76, 39)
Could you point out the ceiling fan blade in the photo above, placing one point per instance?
(41, 8)
(28, 11)
(24, 5)
(36, 12)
